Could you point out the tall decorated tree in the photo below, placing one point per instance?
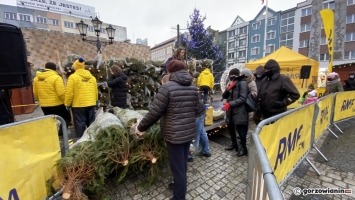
(200, 43)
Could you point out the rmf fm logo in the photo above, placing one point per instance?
(287, 145)
(347, 104)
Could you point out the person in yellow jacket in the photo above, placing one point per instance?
(48, 89)
(81, 95)
(205, 82)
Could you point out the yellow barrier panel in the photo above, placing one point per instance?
(344, 105)
(287, 140)
(323, 118)
(28, 154)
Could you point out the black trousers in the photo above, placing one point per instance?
(83, 117)
(58, 110)
(242, 131)
(178, 164)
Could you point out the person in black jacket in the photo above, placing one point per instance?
(350, 82)
(236, 112)
(276, 91)
(118, 84)
(176, 105)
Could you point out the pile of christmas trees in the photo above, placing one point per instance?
(143, 78)
(109, 146)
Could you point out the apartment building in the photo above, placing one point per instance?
(312, 39)
(299, 28)
(163, 50)
(61, 17)
(237, 41)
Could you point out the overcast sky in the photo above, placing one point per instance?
(157, 19)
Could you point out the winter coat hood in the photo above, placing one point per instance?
(182, 77)
(272, 65)
(84, 73)
(42, 75)
(248, 75)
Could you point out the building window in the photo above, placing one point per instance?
(241, 54)
(255, 38)
(270, 48)
(231, 33)
(324, 56)
(305, 27)
(349, 55)
(350, 37)
(288, 28)
(91, 29)
(286, 39)
(255, 51)
(256, 25)
(41, 20)
(323, 41)
(351, 2)
(306, 11)
(243, 42)
(231, 45)
(329, 5)
(270, 35)
(68, 24)
(230, 55)
(271, 21)
(350, 19)
(54, 22)
(8, 15)
(24, 17)
(243, 30)
(102, 30)
(304, 43)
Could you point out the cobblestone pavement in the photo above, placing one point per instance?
(223, 175)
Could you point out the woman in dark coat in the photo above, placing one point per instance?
(236, 112)
(118, 84)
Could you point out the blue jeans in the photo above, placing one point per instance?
(201, 135)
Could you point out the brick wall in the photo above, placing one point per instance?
(51, 46)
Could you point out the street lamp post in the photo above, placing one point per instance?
(83, 28)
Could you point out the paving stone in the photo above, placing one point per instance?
(326, 179)
(340, 184)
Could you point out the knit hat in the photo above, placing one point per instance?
(50, 65)
(313, 93)
(246, 72)
(79, 64)
(176, 65)
(333, 75)
(234, 72)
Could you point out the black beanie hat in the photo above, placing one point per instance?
(176, 65)
(272, 65)
(234, 72)
(50, 65)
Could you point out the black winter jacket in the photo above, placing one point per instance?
(118, 90)
(236, 98)
(176, 105)
(276, 93)
(350, 84)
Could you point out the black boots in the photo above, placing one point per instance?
(231, 147)
(242, 152)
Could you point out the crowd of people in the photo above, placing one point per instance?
(179, 105)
